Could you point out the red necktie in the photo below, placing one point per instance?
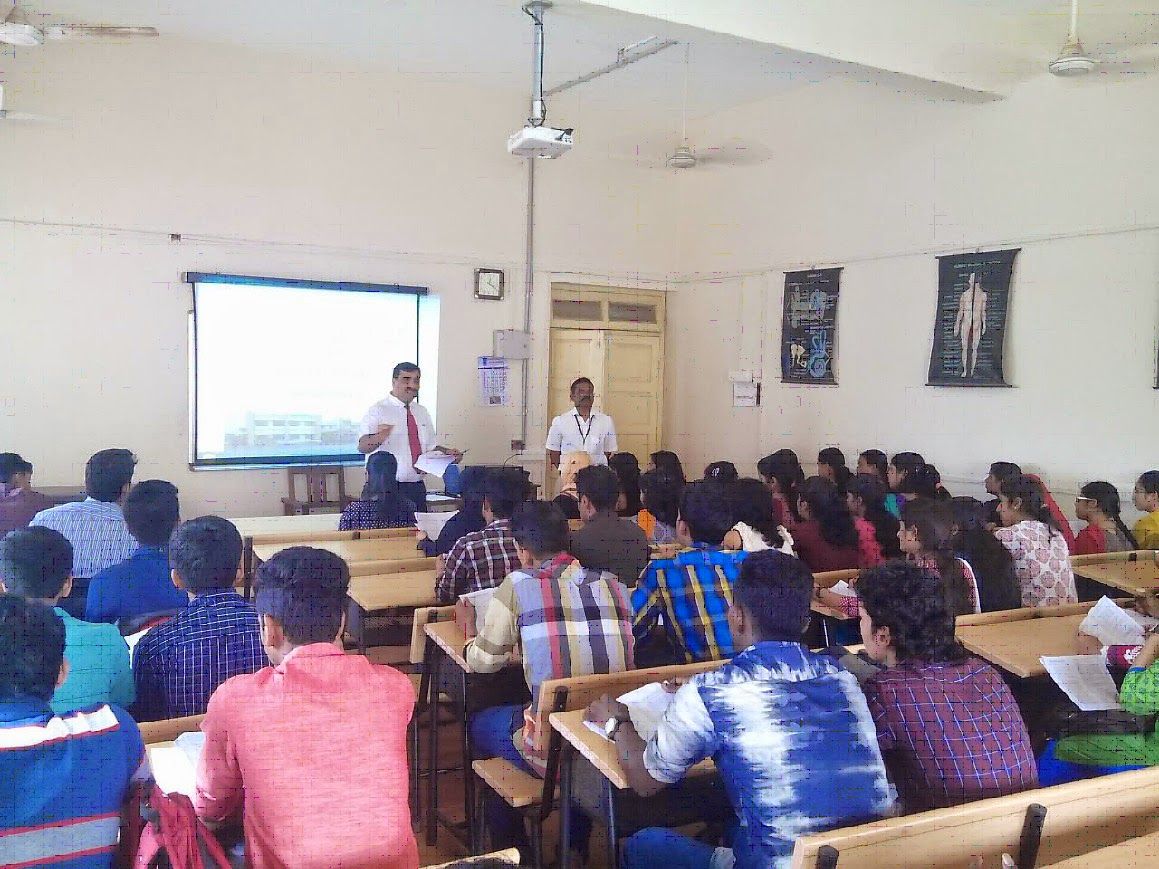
(412, 431)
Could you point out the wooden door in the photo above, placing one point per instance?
(633, 369)
(574, 353)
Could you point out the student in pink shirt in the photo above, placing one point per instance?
(313, 748)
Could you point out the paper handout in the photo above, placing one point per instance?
(646, 706)
(432, 524)
(434, 463)
(1111, 625)
(843, 588)
(480, 600)
(175, 766)
(1085, 680)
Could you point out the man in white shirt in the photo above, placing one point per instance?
(401, 426)
(581, 429)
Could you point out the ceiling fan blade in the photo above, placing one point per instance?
(78, 32)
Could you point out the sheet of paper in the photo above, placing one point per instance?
(434, 463)
(1111, 625)
(480, 600)
(432, 523)
(843, 588)
(646, 706)
(132, 641)
(172, 770)
(1147, 623)
(1085, 680)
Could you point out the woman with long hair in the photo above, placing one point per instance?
(1098, 506)
(783, 474)
(666, 460)
(1031, 533)
(992, 563)
(865, 497)
(756, 527)
(660, 493)
(627, 468)
(826, 537)
(382, 504)
(926, 538)
(831, 465)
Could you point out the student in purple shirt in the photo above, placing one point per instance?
(18, 502)
(948, 726)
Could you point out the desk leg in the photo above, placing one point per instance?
(422, 704)
(431, 664)
(566, 754)
(613, 835)
(468, 771)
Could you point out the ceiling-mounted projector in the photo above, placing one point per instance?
(545, 142)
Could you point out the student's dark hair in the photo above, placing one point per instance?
(666, 460)
(784, 468)
(705, 508)
(992, 563)
(305, 590)
(567, 506)
(835, 459)
(578, 381)
(12, 464)
(1149, 482)
(31, 649)
(1106, 497)
(403, 368)
(924, 481)
(909, 601)
(872, 491)
(627, 468)
(540, 528)
(152, 512)
(1001, 470)
(599, 484)
(752, 504)
(35, 562)
(775, 589)
(722, 472)
(381, 476)
(877, 460)
(1030, 493)
(906, 463)
(108, 472)
(830, 511)
(661, 491)
(206, 552)
(471, 483)
(933, 522)
(504, 489)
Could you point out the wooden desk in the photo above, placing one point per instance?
(599, 751)
(1133, 577)
(1131, 854)
(1015, 646)
(255, 526)
(387, 549)
(370, 594)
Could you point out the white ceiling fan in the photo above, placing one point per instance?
(1073, 60)
(16, 29)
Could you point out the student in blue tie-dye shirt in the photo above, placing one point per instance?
(789, 731)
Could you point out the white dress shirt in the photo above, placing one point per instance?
(571, 433)
(391, 411)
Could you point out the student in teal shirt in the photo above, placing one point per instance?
(36, 563)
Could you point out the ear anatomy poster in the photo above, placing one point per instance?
(970, 323)
(809, 326)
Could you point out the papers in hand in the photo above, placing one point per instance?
(1085, 680)
(646, 706)
(432, 524)
(843, 588)
(434, 463)
(479, 600)
(1111, 625)
(175, 766)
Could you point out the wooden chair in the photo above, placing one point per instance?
(319, 496)
(169, 729)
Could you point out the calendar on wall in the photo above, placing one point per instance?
(492, 381)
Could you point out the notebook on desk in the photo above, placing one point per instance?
(175, 766)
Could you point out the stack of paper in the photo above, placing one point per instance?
(434, 463)
(432, 524)
(1111, 625)
(1085, 680)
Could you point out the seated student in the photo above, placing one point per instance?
(66, 776)
(1029, 531)
(34, 564)
(482, 559)
(901, 466)
(19, 502)
(721, 472)
(926, 538)
(567, 500)
(1059, 517)
(789, 731)
(1146, 500)
(468, 519)
(179, 664)
(831, 465)
(999, 471)
(782, 473)
(692, 590)
(660, 493)
(826, 537)
(991, 562)
(569, 621)
(924, 481)
(666, 460)
(302, 804)
(1098, 506)
(947, 724)
(607, 542)
(865, 496)
(141, 583)
(627, 468)
(95, 526)
(382, 505)
(755, 529)
(876, 464)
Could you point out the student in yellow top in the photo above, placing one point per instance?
(1147, 501)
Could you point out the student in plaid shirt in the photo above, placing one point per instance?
(482, 559)
(693, 590)
(947, 724)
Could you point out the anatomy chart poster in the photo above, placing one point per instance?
(970, 325)
(809, 326)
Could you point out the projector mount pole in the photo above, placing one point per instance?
(535, 11)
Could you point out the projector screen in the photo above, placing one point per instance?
(283, 370)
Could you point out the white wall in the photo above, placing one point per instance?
(880, 182)
(271, 165)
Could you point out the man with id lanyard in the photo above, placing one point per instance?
(401, 426)
(581, 430)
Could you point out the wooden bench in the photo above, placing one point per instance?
(1080, 817)
(169, 729)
